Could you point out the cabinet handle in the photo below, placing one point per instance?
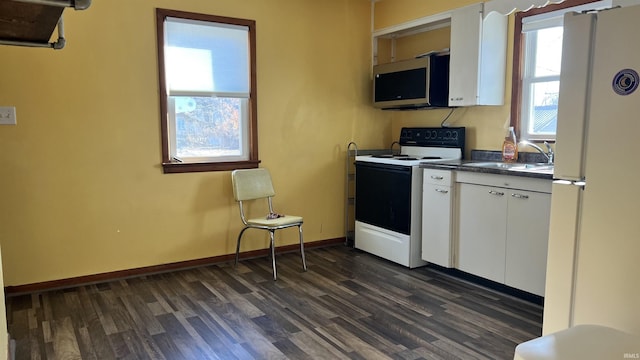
(442, 191)
(498, 193)
(520, 196)
(434, 177)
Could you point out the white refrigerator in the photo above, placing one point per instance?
(593, 266)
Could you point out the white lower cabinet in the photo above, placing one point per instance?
(503, 229)
(482, 234)
(437, 217)
(527, 239)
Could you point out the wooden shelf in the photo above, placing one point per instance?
(28, 22)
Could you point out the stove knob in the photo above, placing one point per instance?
(434, 134)
(455, 136)
(427, 135)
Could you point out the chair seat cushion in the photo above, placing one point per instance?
(285, 220)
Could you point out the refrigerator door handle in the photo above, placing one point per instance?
(581, 183)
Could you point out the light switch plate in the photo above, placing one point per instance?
(7, 115)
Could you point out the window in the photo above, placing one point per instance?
(536, 72)
(541, 83)
(207, 92)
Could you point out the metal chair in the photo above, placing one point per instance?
(255, 184)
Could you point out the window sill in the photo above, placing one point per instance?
(176, 167)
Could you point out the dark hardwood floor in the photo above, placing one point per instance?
(349, 305)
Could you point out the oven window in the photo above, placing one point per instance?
(383, 196)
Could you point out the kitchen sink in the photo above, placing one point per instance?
(495, 165)
(542, 168)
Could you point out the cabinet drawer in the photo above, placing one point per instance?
(504, 181)
(438, 177)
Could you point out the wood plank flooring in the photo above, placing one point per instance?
(349, 305)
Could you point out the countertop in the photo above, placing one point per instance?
(462, 165)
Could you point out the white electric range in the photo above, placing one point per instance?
(389, 193)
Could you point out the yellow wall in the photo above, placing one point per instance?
(408, 47)
(81, 187)
(485, 124)
(83, 191)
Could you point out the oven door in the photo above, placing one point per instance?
(383, 196)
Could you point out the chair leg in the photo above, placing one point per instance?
(238, 245)
(273, 254)
(304, 262)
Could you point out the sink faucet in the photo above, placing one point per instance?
(391, 147)
(549, 154)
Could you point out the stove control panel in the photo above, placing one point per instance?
(433, 137)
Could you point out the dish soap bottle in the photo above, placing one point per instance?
(510, 147)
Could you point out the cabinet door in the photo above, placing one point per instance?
(466, 29)
(527, 239)
(482, 231)
(478, 60)
(436, 224)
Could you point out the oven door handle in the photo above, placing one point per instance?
(386, 167)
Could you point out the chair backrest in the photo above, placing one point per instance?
(251, 184)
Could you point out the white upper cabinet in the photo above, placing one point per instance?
(478, 57)
(478, 48)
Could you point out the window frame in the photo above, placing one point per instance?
(519, 46)
(170, 165)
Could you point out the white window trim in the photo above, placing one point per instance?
(244, 133)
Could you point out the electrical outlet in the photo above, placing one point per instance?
(7, 115)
